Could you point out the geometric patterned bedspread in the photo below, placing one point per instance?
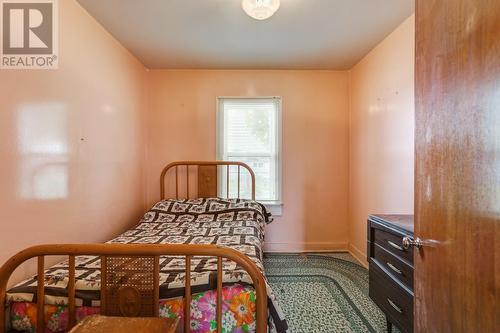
(235, 223)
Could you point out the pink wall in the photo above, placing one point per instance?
(182, 125)
(381, 133)
(71, 142)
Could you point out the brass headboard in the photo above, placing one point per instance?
(207, 177)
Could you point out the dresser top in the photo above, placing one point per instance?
(404, 222)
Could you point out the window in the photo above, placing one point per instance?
(249, 131)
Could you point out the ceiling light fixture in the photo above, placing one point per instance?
(260, 9)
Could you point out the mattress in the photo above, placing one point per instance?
(234, 223)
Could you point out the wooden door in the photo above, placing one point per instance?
(457, 176)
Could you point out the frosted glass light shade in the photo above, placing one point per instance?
(260, 9)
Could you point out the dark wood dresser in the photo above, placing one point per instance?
(391, 268)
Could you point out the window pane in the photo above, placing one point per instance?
(250, 127)
(265, 184)
(249, 134)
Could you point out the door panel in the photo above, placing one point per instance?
(457, 168)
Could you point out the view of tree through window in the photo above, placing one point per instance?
(250, 134)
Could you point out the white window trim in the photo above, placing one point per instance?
(275, 207)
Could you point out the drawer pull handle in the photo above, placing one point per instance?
(394, 268)
(396, 246)
(397, 308)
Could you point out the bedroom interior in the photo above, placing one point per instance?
(249, 166)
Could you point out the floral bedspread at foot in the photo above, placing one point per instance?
(238, 312)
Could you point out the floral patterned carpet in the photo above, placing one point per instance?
(323, 293)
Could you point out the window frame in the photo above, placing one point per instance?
(275, 206)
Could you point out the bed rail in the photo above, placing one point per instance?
(207, 175)
(151, 251)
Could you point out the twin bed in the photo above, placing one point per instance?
(213, 262)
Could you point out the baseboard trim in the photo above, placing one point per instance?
(358, 254)
(281, 247)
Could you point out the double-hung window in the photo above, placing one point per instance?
(249, 131)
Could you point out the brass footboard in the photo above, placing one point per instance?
(118, 255)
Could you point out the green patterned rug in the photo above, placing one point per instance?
(323, 293)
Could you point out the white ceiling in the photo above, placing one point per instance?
(217, 34)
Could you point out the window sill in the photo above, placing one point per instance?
(274, 207)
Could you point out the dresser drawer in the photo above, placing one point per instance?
(394, 301)
(393, 243)
(399, 269)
